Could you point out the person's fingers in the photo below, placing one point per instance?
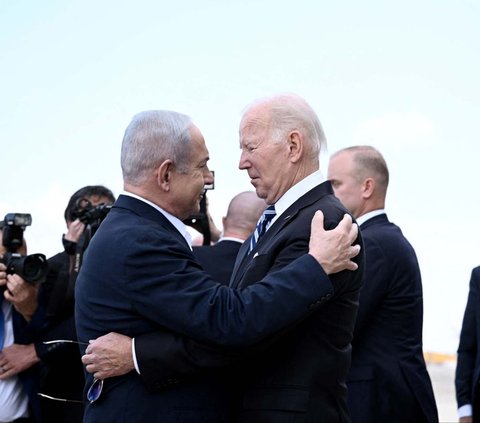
(101, 375)
(319, 217)
(346, 222)
(90, 368)
(353, 231)
(86, 359)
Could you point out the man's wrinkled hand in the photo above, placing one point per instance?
(333, 248)
(17, 358)
(109, 355)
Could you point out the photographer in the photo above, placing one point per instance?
(19, 368)
(63, 376)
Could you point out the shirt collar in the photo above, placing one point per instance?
(297, 191)
(362, 219)
(175, 221)
(230, 238)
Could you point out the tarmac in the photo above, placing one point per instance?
(442, 374)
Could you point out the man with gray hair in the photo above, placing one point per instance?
(139, 276)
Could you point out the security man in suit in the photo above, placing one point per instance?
(388, 380)
(467, 373)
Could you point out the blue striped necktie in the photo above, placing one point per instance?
(262, 224)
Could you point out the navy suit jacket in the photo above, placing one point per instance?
(139, 276)
(388, 380)
(218, 259)
(298, 375)
(467, 375)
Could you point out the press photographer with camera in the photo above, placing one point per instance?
(20, 277)
(63, 374)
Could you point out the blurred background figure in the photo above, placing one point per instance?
(63, 374)
(388, 380)
(467, 375)
(243, 213)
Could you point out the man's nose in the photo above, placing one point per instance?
(208, 177)
(243, 163)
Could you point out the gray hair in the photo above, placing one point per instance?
(152, 137)
(290, 112)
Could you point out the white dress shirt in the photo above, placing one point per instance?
(13, 400)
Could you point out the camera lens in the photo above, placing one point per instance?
(32, 268)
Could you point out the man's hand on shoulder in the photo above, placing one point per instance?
(333, 248)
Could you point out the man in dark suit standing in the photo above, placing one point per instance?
(467, 374)
(298, 375)
(139, 274)
(62, 372)
(242, 215)
(388, 380)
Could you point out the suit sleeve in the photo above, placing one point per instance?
(467, 349)
(373, 289)
(164, 358)
(191, 303)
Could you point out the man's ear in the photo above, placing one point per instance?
(164, 174)
(368, 187)
(295, 145)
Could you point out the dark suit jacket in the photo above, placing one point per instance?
(218, 259)
(139, 275)
(467, 375)
(300, 375)
(388, 380)
(62, 373)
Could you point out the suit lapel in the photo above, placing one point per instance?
(244, 257)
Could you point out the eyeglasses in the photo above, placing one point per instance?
(96, 387)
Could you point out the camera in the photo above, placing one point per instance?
(88, 213)
(199, 221)
(33, 268)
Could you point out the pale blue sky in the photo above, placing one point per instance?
(402, 76)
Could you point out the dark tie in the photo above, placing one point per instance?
(262, 224)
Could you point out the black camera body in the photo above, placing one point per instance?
(199, 221)
(88, 213)
(33, 268)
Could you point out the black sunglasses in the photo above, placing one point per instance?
(96, 387)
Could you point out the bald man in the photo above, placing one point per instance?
(243, 213)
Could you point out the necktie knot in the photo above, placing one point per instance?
(262, 224)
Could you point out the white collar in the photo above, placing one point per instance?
(362, 219)
(297, 191)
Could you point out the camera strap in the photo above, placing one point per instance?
(76, 262)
